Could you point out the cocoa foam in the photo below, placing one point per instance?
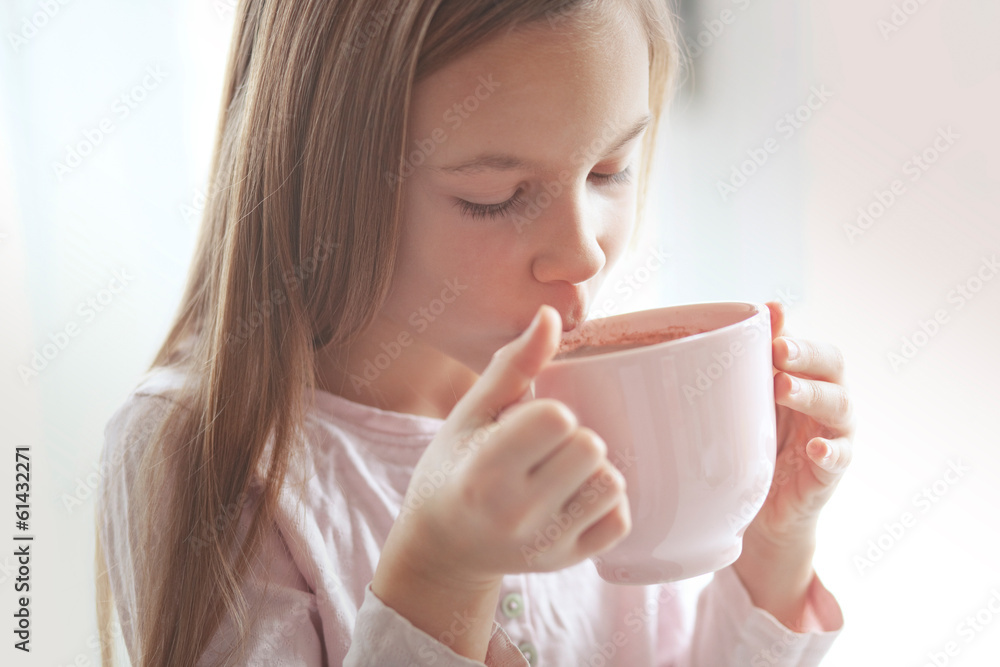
(612, 338)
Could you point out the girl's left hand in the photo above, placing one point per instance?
(815, 429)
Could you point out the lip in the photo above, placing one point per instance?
(570, 324)
(573, 313)
(572, 319)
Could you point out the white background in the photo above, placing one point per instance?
(131, 206)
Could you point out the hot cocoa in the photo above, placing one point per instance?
(625, 341)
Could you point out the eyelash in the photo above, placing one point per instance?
(494, 211)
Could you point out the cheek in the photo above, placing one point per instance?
(437, 244)
(619, 228)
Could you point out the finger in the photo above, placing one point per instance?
(602, 493)
(511, 371)
(818, 360)
(529, 433)
(777, 317)
(558, 477)
(827, 403)
(830, 456)
(597, 496)
(608, 530)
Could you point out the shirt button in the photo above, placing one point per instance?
(512, 605)
(528, 649)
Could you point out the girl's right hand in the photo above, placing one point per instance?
(508, 485)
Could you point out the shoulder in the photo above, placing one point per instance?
(146, 404)
(127, 434)
(137, 419)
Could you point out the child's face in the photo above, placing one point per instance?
(547, 98)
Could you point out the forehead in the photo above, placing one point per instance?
(533, 90)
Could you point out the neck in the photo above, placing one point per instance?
(390, 371)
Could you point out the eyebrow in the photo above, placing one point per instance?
(507, 162)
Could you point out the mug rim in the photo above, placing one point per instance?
(755, 310)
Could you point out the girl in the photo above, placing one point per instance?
(336, 457)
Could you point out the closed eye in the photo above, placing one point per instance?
(489, 210)
(621, 177)
(493, 211)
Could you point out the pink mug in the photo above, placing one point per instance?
(683, 396)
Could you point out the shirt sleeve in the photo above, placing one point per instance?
(384, 637)
(730, 630)
(286, 627)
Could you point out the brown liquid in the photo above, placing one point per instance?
(627, 341)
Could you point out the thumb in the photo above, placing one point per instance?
(509, 374)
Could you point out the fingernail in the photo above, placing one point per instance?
(795, 385)
(824, 449)
(793, 349)
(825, 460)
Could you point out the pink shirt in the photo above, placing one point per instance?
(320, 555)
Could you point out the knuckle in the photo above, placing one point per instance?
(590, 444)
(619, 520)
(810, 392)
(807, 352)
(555, 415)
(614, 479)
(838, 358)
(845, 406)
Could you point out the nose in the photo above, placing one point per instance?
(569, 241)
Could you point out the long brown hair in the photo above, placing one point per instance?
(295, 252)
